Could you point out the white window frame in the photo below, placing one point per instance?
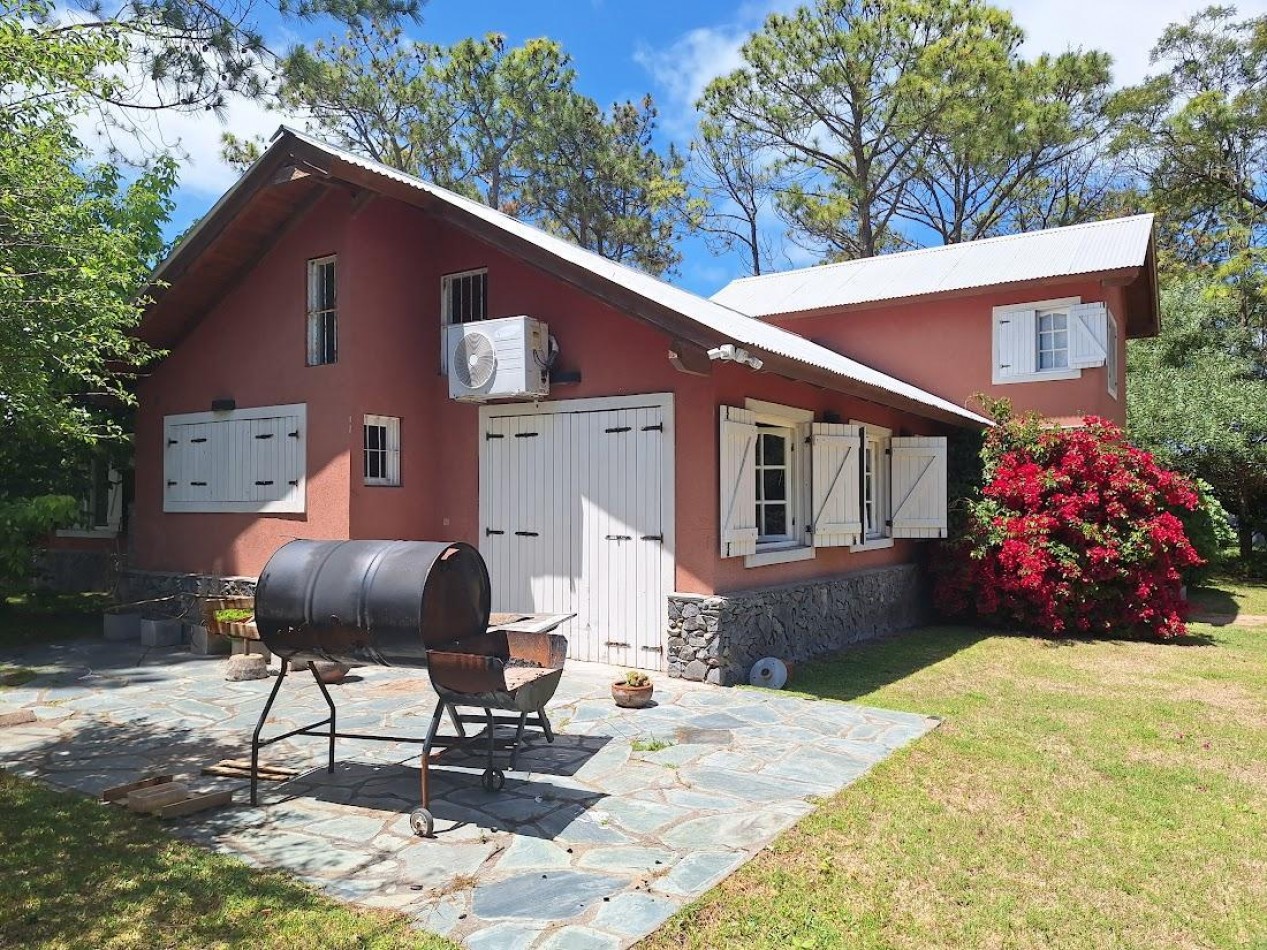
(446, 311)
(1035, 375)
(1052, 314)
(391, 451)
(1112, 368)
(881, 535)
(797, 545)
(86, 526)
(316, 313)
(294, 503)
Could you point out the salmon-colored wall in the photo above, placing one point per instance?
(945, 346)
(391, 259)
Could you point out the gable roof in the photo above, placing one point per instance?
(232, 233)
(1099, 248)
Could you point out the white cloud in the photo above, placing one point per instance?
(1126, 29)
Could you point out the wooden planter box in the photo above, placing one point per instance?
(244, 630)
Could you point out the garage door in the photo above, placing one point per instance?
(573, 519)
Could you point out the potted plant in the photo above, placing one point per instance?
(230, 617)
(633, 690)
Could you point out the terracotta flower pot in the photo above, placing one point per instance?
(631, 697)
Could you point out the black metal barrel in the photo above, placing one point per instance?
(379, 602)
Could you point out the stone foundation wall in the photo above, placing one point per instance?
(67, 570)
(717, 639)
(151, 585)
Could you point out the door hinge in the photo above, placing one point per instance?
(526, 534)
(653, 537)
(293, 435)
(199, 440)
(658, 427)
(173, 441)
(619, 429)
(652, 649)
(489, 532)
(619, 537)
(269, 482)
(615, 643)
(264, 435)
(493, 435)
(526, 435)
(199, 484)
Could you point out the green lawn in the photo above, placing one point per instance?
(1078, 794)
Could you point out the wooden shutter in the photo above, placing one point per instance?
(1017, 343)
(737, 483)
(918, 486)
(1088, 335)
(835, 499)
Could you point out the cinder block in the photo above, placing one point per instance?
(120, 627)
(161, 633)
(206, 644)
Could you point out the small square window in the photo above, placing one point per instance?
(323, 321)
(465, 296)
(382, 450)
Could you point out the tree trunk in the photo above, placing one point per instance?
(1245, 526)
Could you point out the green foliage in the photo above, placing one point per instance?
(24, 522)
(873, 113)
(1197, 396)
(500, 124)
(650, 745)
(1208, 530)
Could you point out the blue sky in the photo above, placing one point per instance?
(670, 48)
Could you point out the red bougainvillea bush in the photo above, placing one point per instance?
(1074, 531)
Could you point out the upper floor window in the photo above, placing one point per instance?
(1050, 340)
(1053, 339)
(464, 296)
(382, 450)
(323, 315)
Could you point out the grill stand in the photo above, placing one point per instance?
(420, 819)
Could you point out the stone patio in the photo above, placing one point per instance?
(591, 844)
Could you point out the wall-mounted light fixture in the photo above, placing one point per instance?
(729, 353)
(223, 405)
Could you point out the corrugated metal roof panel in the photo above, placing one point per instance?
(754, 335)
(1037, 255)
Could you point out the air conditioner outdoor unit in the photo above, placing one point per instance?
(507, 358)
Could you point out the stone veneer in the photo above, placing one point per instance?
(141, 586)
(718, 638)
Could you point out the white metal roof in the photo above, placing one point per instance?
(754, 335)
(1036, 255)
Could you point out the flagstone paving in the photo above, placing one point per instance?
(590, 843)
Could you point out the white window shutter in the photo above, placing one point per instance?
(738, 486)
(835, 500)
(1088, 335)
(1017, 351)
(918, 486)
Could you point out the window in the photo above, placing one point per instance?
(240, 460)
(774, 479)
(1053, 339)
(382, 450)
(465, 296)
(323, 322)
(100, 504)
(873, 485)
(1048, 340)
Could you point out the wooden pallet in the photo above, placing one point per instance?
(241, 768)
(189, 805)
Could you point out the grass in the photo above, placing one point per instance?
(1077, 794)
(649, 745)
(74, 873)
(37, 617)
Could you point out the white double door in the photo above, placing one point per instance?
(573, 520)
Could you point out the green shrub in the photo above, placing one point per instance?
(1208, 530)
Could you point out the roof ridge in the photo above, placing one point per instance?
(997, 239)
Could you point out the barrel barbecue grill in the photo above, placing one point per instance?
(411, 604)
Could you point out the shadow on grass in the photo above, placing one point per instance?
(1213, 605)
(41, 617)
(866, 667)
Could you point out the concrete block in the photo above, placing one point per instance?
(120, 627)
(161, 633)
(203, 643)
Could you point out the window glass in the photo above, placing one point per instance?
(323, 332)
(466, 297)
(382, 450)
(1053, 340)
(773, 474)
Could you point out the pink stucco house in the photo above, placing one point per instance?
(355, 353)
